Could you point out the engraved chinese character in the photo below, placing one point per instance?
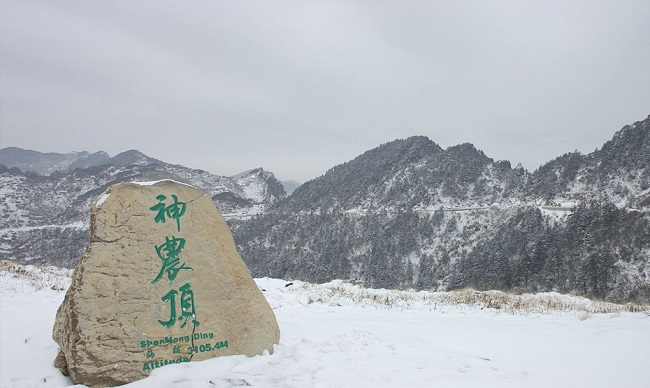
(187, 307)
(174, 211)
(168, 252)
(171, 298)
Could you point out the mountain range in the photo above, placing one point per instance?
(410, 214)
(44, 218)
(407, 214)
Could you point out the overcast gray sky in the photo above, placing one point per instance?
(299, 87)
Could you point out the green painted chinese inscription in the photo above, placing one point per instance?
(169, 253)
(174, 211)
(187, 307)
(183, 348)
(179, 300)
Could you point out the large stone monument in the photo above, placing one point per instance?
(160, 283)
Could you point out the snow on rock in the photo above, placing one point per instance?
(102, 199)
(151, 183)
(342, 335)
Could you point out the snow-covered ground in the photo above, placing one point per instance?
(340, 335)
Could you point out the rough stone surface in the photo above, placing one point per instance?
(160, 282)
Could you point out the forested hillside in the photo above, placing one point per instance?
(411, 214)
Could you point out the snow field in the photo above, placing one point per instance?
(341, 335)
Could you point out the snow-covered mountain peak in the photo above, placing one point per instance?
(132, 157)
(261, 185)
